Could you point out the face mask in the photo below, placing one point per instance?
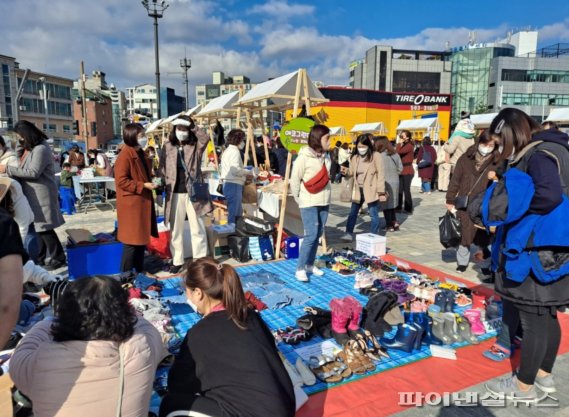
(484, 150)
(242, 145)
(142, 142)
(151, 155)
(362, 151)
(182, 136)
(192, 305)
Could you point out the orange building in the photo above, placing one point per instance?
(348, 107)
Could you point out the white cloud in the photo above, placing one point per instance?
(282, 9)
(556, 32)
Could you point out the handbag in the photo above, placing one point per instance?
(426, 161)
(317, 183)
(461, 201)
(198, 190)
(346, 193)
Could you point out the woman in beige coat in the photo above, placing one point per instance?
(366, 168)
(95, 359)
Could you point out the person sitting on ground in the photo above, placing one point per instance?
(228, 363)
(95, 359)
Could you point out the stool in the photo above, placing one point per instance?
(67, 200)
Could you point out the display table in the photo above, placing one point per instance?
(93, 194)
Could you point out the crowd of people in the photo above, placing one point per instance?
(119, 352)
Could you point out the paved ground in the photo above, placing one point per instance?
(417, 241)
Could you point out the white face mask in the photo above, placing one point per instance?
(143, 141)
(484, 150)
(362, 151)
(241, 146)
(194, 307)
(182, 136)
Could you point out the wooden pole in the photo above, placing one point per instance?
(283, 207)
(305, 89)
(215, 161)
(267, 159)
(250, 138)
(297, 94)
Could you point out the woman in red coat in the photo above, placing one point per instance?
(135, 204)
(426, 172)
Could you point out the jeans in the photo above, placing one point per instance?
(426, 186)
(405, 189)
(542, 336)
(32, 244)
(234, 195)
(373, 212)
(314, 220)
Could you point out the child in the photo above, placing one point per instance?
(66, 194)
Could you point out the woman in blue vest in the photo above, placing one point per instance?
(544, 156)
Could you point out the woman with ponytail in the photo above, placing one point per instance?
(228, 364)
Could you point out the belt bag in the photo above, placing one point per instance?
(318, 182)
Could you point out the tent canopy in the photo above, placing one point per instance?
(281, 91)
(221, 104)
(169, 119)
(193, 110)
(482, 121)
(559, 115)
(368, 128)
(338, 130)
(153, 126)
(418, 124)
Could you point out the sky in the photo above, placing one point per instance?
(258, 38)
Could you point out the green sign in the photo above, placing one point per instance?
(294, 134)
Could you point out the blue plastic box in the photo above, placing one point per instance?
(94, 259)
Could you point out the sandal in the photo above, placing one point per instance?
(348, 356)
(377, 348)
(463, 301)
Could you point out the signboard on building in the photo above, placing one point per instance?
(294, 134)
(421, 102)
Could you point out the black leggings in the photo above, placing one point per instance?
(390, 218)
(542, 337)
(178, 405)
(405, 190)
(132, 258)
(49, 245)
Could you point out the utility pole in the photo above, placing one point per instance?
(84, 107)
(186, 64)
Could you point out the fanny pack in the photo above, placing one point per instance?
(318, 182)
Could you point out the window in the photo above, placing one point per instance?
(418, 82)
(539, 76)
(66, 129)
(52, 128)
(522, 99)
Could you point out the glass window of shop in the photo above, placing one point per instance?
(469, 80)
(522, 99)
(419, 82)
(543, 76)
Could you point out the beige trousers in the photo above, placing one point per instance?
(444, 176)
(182, 206)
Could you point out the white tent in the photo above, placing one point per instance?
(193, 110)
(419, 124)
(482, 121)
(369, 128)
(221, 104)
(169, 119)
(559, 115)
(282, 92)
(338, 130)
(153, 126)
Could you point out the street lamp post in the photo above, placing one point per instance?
(44, 97)
(186, 64)
(156, 10)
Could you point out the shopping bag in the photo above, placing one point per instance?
(252, 226)
(250, 193)
(347, 189)
(239, 248)
(449, 230)
(160, 245)
(261, 248)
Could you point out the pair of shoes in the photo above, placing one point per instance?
(509, 388)
(328, 370)
(473, 316)
(174, 269)
(376, 309)
(53, 265)
(546, 384)
(369, 345)
(355, 358)
(461, 268)
(497, 353)
(347, 237)
(346, 315)
(292, 336)
(314, 270)
(407, 338)
(445, 300)
(301, 275)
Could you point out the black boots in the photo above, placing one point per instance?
(376, 308)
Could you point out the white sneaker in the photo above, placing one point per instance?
(301, 275)
(315, 270)
(347, 237)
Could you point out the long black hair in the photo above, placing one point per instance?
(192, 138)
(94, 308)
(31, 135)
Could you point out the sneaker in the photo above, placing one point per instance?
(348, 237)
(546, 384)
(496, 353)
(461, 268)
(508, 388)
(315, 270)
(301, 275)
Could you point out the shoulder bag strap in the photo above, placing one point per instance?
(479, 178)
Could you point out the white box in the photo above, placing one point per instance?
(370, 244)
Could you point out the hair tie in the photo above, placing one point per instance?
(219, 267)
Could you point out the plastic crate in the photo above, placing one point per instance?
(94, 259)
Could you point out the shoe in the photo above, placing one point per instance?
(356, 313)
(497, 353)
(341, 315)
(463, 328)
(476, 325)
(438, 329)
(461, 268)
(174, 269)
(419, 337)
(53, 265)
(404, 339)
(508, 388)
(307, 376)
(315, 270)
(301, 275)
(348, 237)
(546, 384)
(450, 328)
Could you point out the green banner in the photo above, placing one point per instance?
(294, 133)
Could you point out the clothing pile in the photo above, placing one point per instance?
(272, 291)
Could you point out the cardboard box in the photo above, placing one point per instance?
(217, 242)
(370, 244)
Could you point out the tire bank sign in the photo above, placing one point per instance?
(294, 134)
(422, 101)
